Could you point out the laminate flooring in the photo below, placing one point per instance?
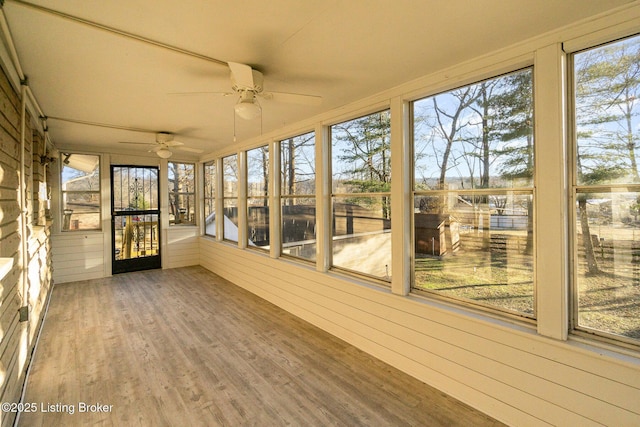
(185, 347)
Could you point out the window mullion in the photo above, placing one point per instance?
(551, 210)
(323, 199)
(242, 199)
(401, 201)
(274, 200)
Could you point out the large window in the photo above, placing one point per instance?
(361, 199)
(210, 198)
(258, 197)
(80, 178)
(298, 202)
(182, 197)
(607, 189)
(473, 193)
(230, 197)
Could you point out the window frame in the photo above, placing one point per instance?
(333, 195)
(265, 198)
(285, 195)
(63, 159)
(489, 191)
(576, 47)
(235, 197)
(189, 195)
(209, 200)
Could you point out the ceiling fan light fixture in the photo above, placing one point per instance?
(164, 153)
(247, 107)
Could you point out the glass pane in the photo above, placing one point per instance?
(209, 180)
(80, 177)
(361, 154)
(181, 193)
(608, 264)
(80, 172)
(362, 235)
(477, 136)
(607, 94)
(81, 202)
(182, 209)
(230, 176)
(258, 222)
(210, 217)
(258, 172)
(135, 188)
(298, 170)
(299, 227)
(477, 248)
(230, 224)
(80, 221)
(136, 236)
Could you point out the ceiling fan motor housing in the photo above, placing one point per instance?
(164, 137)
(258, 79)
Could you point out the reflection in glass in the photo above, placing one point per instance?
(607, 233)
(476, 247)
(299, 227)
(362, 235)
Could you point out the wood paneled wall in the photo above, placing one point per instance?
(504, 370)
(182, 248)
(79, 256)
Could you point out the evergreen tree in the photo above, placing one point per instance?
(607, 86)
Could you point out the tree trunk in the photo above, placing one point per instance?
(592, 262)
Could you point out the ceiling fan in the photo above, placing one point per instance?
(247, 84)
(164, 141)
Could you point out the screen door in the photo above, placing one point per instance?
(135, 218)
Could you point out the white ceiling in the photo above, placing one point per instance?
(341, 50)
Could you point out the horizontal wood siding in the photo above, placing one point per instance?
(40, 276)
(78, 256)
(29, 291)
(507, 371)
(182, 247)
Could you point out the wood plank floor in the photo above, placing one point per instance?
(185, 347)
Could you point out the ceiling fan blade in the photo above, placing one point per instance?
(173, 143)
(200, 93)
(293, 98)
(243, 75)
(191, 150)
(135, 142)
